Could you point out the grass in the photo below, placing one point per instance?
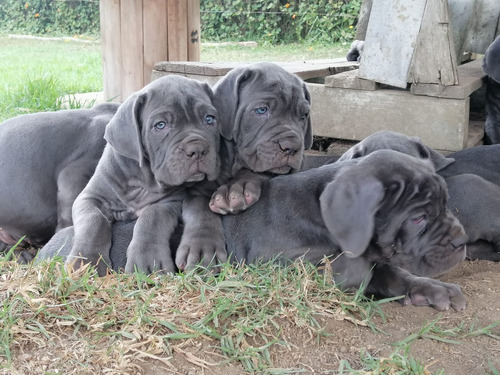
(34, 74)
(239, 312)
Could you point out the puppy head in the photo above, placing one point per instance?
(265, 110)
(388, 140)
(170, 126)
(390, 207)
(491, 60)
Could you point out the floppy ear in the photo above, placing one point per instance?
(308, 137)
(348, 206)
(439, 161)
(124, 130)
(227, 95)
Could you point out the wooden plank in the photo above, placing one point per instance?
(155, 35)
(434, 58)
(194, 29)
(484, 27)
(350, 80)
(388, 51)
(132, 42)
(355, 114)
(111, 48)
(470, 76)
(177, 30)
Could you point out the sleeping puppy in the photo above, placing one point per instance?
(473, 179)
(491, 66)
(381, 219)
(265, 128)
(47, 159)
(161, 141)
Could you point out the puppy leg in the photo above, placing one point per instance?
(92, 240)
(390, 281)
(239, 194)
(70, 182)
(203, 237)
(149, 251)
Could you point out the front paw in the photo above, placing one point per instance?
(149, 260)
(235, 198)
(199, 249)
(435, 293)
(101, 262)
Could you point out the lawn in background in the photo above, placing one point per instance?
(34, 74)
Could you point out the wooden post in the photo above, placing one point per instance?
(136, 34)
(111, 48)
(194, 29)
(177, 30)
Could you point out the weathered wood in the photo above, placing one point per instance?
(355, 114)
(470, 76)
(484, 26)
(111, 48)
(155, 35)
(350, 80)
(132, 42)
(388, 51)
(434, 58)
(462, 16)
(177, 30)
(194, 30)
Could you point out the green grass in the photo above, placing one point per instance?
(35, 73)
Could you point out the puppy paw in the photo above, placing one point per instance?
(203, 250)
(149, 258)
(234, 198)
(436, 294)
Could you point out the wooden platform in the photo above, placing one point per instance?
(347, 107)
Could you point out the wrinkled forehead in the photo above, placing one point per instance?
(184, 100)
(276, 87)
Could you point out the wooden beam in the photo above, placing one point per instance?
(155, 35)
(111, 49)
(194, 30)
(177, 30)
(132, 42)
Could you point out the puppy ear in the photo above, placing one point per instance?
(124, 130)
(227, 95)
(348, 207)
(439, 161)
(308, 137)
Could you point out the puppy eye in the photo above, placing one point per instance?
(261, 110)
(304, 116)
(418, 219)
(160, 125)
(209, 119)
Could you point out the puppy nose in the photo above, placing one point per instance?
(288, 147)
(196, 150)
(459, 241)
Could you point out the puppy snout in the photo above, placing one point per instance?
(460, 241)
(196, 150)
(289, 147)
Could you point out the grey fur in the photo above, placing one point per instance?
(162, 140)
(491, 66)
(46, 160)
(381, 219)
(473, 179)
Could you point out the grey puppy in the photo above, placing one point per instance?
(473, 179)
(491, 66)
(265, 128)
(381, 219)
(162, 140)
(47, 159)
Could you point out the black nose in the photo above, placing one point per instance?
(459, 241)
(288, 147)
(196, 150)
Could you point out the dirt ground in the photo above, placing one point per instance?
(480, 282)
